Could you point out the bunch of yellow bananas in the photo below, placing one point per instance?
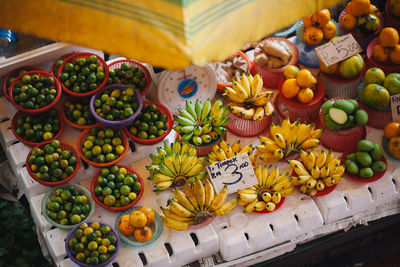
(226, 151)
(318, 171)
(269, 191)
(247, 99)
(174, 164)
(195, 205)
(288, 138)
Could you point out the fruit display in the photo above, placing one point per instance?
(117, 186)
(102, 145)
(226, 151)
(391, 133)
(348, 68)
(361, 16)
(82, 74)
(269, 191)
(388, 48)
(138, 225)
(12, 75)
(299, 84)
(174, 164)
(52, 162)
(92, 243)
(68, 205)
(36, 90)
(366, 160)
(246, 98)
(150, 123)
(129, 73)
(286, 139)
(343, 114)
(272, 53)
(196, 204)
(37, 128)
(115, 103)
(77, 111)
(201, 123)
(318, 27)
(316, 171)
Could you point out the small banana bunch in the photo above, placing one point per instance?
(195, 205)
(200, 123)
(318, 171)
(226, 151)
(174, 164)
(247, 99)
(288, 138)
(269, 191)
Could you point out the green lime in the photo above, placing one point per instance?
(109, 200)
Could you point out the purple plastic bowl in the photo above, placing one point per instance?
(115, 124)
(103, 264)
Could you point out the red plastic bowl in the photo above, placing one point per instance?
(170, 123)
(54, 69)
(72, 58)
(72, 124)
(277, 206)
(247, 128)
(388, 67)
(321, 193)
(63, 146)
(220, 86)
(26, 142)
(82, 137)
(95, 183)
(203, 224)
(39, 110)
(356, 178)
(131, 62)
(15, 73)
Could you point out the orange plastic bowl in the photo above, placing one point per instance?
(41, 75)
(220, 86)
(15, 73)
(81, 139)
(95, 183)
(170, 123)
(63, 146)
(72, 124)
(72, 58)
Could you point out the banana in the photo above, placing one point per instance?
(303, 189)
(209, 194)
(315, 172)
(272, 177)
(228, 152)
(312, 191)
(339, 170)
(311, 159)
(205, 138)
(337, 177)
(329, 181)
(320, 185)
(268, 108)
(286, 128)
(244, 81)
(212, 156)
(250, 207)
(268, 157)
(288, 191)
(258, 114)
(270, 206)
(168, 147)
(316, 133)
(311, 183)
(198, 107)
(329, 156)
(183, 121)
(186, 137)
(241, 92)
(278, 154)
(333, 165)
(183, 200)
(243, 112)
(303, 156)
(220, 155)
(247, 149)
(258, 171)
(248, 197)
(206, 109)
(168, 162)
(303, 132)
(256, 84)
(153, 168)
(250, 190)
(197, 140)
(190, 109)
(314, 152)
(219, 199)
(242, 203)
(282, 185)
(266, 197)
(191, 196)
(264, 175)
(260, 206)
(264, 139)
(155, 159)
(282, 177)
(206, 128)
(302, 179)
(227, 207)
(176, 160)
(280, 141)
(164, 170)
(175, 225)
(268, 146)
(188, 164)
(217, 109)
(310, 143)
(159, 178)
(263, 98)
(186, 114)
(187, 129)
(298, 167)
(195, 170)
(324, 172)
(232, 95)
(179, 210)
(276, 198)
(236, 146)
(198, 190)
(162, 186)
(173, 216)
(321, 159)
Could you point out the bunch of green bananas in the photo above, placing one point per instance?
(200, 123)
(197, 203)
(174, 164)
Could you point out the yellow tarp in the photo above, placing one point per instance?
(165, 33)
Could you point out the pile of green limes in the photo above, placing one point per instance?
(34, 92)
(84, 75)
(68, 206)
(116, 187)
(11, 79)
(116, 105)
(93, 244)
(149, 124)
(129, 75)
(103, 145)
(52, 164)
(78, 112)
(38, 128)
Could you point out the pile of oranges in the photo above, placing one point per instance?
(299, 84)
(356, 12)
(317, 27)
(388, 46)
(138, 224)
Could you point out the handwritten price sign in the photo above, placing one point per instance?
(338, 49)
(237, 173)
(395, 104)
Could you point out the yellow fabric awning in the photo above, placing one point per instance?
(166, 33)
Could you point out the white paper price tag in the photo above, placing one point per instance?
(337, 50)
(395, 105)
(237, 173)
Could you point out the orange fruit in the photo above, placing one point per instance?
(149, 214)
(392, 129)
(321, 18)
(349, 9)
(328, 69)
(137, 219)
(290, 71)
(389, 37)
(329, 30)
(380, 53)
(360, 7)
(313, 35)
(305, 95)
(143, 234)
(394, 54)
(348, 22)
(307, 21)
(124, 226)
(305, 78)
(290, 88)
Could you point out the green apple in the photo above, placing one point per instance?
(351, 67)
(392, 83)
